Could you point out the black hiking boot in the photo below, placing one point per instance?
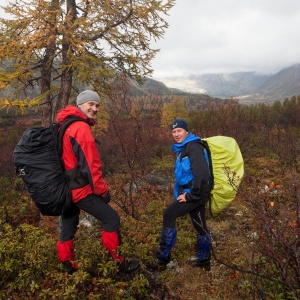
(203, 256)
(158, 264)
(68, 267)
(203, 264)
(129, 266)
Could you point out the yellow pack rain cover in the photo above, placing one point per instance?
(228, 170)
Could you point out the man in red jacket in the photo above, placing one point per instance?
(81, 157)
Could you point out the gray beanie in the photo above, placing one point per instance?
(87, 96)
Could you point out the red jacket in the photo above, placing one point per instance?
(79, 148)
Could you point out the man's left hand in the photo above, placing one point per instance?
(181, 198)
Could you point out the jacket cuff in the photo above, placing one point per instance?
(105, 194)
(188, 197)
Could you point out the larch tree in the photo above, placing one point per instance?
(173, 110)
(48, 49)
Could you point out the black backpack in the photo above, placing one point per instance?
(37, 158)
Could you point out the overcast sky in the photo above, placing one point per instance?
(227, 36)
(220, 36)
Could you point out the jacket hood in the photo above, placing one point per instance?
(179, 147)
(70, 110)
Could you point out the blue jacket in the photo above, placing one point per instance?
(191, 170)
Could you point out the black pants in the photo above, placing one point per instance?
(93, 205)
(178, 209)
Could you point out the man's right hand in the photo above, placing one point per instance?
(106, 198)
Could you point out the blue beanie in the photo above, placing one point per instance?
(180, 123)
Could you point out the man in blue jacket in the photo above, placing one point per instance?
(191, 193)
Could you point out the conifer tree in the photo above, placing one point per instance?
(171, 111)
(49, 48)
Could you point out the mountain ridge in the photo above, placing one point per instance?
(246, 87)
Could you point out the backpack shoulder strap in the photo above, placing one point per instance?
(188, 145)
(62, 129)
(208, 157)
(205, 146)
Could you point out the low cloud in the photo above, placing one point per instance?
(229, 36)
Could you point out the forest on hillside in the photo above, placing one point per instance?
(256, 249)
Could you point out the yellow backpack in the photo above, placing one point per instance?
(227, 170)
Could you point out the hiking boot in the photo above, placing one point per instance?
(203, 264)
(203, 256)
(67, 266)
(128, 266)
(158, 264)
(162, 262)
